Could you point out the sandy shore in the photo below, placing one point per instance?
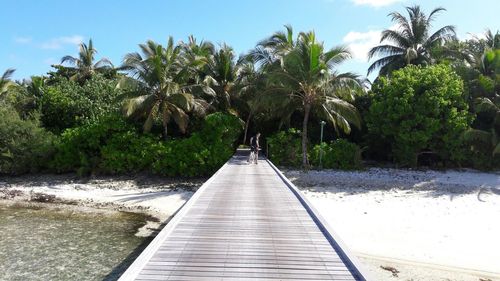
(427, 225)
(159, 198)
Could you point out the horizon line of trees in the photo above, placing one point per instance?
(289, 80)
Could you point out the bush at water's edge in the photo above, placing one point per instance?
(113, 146)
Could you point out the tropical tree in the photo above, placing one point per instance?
(271, 50)
(214, 67)
(162, 87)
(83, 66)
(250, 84)
(309, 82)
(411, 42)
(221, 70)
(5, 82)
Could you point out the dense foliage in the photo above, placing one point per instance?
(67, 104)
(24, 145)
(339, 154)
(420, 110)
(285, 148)
(203, 152)
(111, 145)
(177, 109)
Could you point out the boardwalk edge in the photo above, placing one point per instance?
(135, 268)
(332, 237)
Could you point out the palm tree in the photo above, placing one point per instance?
(250, 83)
(162, 87)
(410, 43)
(491, 41)
(214, 67)
(272, 50)
(483, 54)
(221, 70)
(83, 66)
(486, 140)
(308, 81)
(5, 82)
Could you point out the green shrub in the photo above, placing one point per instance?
(203, 152)
(96, 146)
(285, 148)
(111, 145)
(24, 146)
(339, 154)
(420, 109)
(67, 104)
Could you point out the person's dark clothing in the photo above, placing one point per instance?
(253, 144)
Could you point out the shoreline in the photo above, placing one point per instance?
(158, 199)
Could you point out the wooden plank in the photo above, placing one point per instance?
(244, 223)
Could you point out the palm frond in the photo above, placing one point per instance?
(434, 13)
(336, 56)
(383, 62)
(136, 106)
(445, 33)
(344, 109)
(397, 37)
(474, 136)
(387, 50)
(483, 104)
(103, 63)
(180, 117)
(70, 60)
(7, 74)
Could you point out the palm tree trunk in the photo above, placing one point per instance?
(165, 131)
(246, 128)
(307, 110)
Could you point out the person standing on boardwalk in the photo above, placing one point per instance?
(254, 149)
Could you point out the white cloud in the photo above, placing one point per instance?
(361, 42)
(376, 3)
(60, 42)
(23, 40)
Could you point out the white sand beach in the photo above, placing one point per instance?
(428, 225)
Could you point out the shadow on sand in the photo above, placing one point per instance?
(360, 182)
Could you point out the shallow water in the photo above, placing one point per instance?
(60, 244)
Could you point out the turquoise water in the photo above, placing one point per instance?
(57, 244)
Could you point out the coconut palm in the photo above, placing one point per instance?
(83, 66)
(221, 71)
(272, 49)
(162, 87)
(411, 42)
(214, 67)
(195, 52)
(250, 84)
(308, 81)
(483, 55)
(486, 140)
(490, 41)
(5, 82)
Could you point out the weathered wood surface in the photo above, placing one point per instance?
(247, 222)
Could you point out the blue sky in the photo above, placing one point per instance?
(37, 33)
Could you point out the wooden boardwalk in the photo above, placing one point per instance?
(247, 222)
